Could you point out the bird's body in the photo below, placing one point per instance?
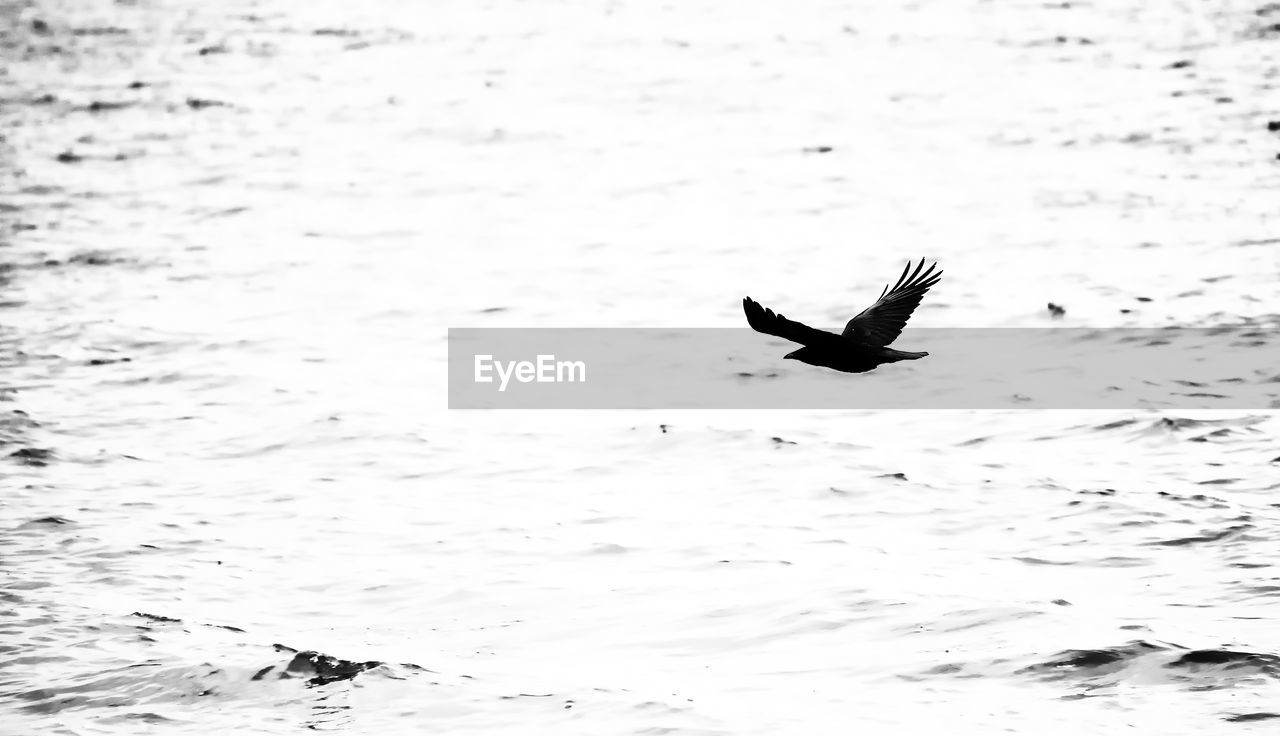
(864, 344)
(854, 359)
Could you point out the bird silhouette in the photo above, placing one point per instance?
(864, 344)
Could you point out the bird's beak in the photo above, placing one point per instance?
(790, 356)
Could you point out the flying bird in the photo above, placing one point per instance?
(864, 344)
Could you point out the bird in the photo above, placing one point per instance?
(864, 344)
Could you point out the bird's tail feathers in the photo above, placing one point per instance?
(902, 355)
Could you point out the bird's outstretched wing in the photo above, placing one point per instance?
(765, 320)
(882, 322)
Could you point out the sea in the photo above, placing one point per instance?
(234, 237)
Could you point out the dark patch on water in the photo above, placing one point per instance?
(201, 103)
(1040, 561)
(47, 521)
(13, 423)
(1196, 500)
(1100, 492)
(1258, 241)
(1117, 424)
(1085, 659)
(1250, 717)
(87, 258)
(1231, 532)
(1062, 41)
(322, 669)
(156, 618)
(36, 456)
(100, 106)
(1226, 657)
(1264, 31)
(1173, 425)
(1197, 670)
(100, 31)
(1217, 434)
